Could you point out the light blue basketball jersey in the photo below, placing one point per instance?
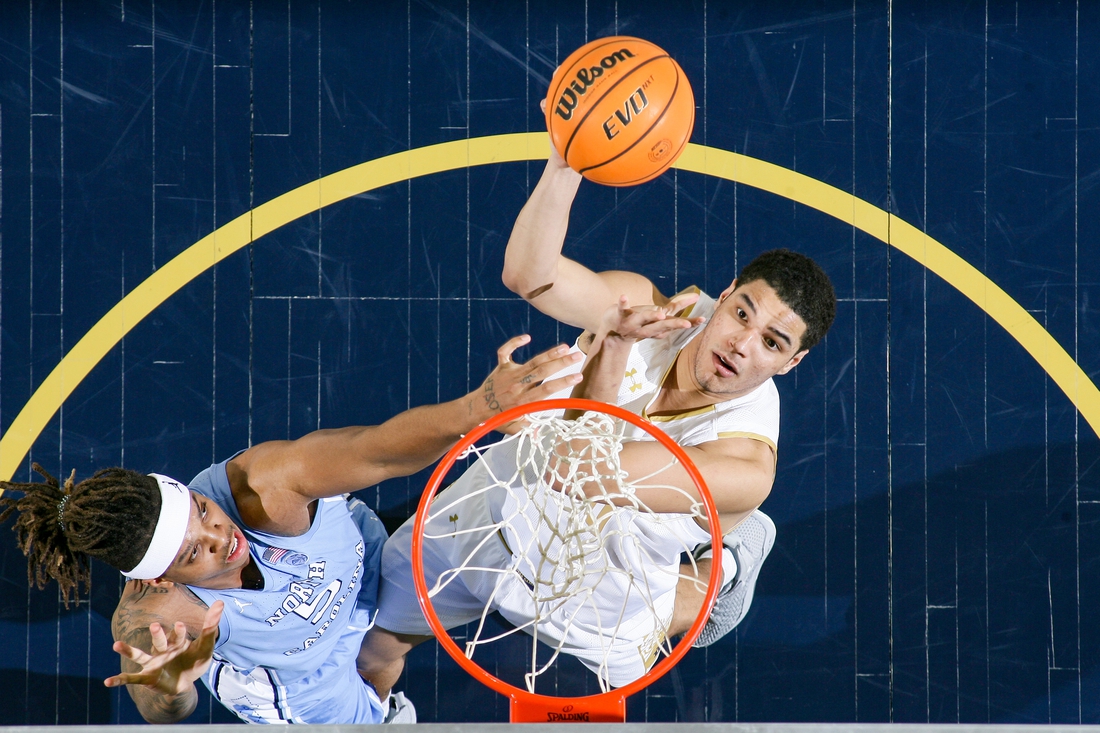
(286, 654)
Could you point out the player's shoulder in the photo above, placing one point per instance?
(746, 446)
(754, 416)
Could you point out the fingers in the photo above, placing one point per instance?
(504, 353)
(204, 645)
(530, 387)
(515, 383)
(661, 329)
(650, 321)
(540, 366)
(678, 302)
(536, 374)
(213, 617)
(551, 361)
(552, 387)
(160, 639)
(131, 652)
(683, 301)
(129, 679)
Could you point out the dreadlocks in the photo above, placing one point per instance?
(110, 516)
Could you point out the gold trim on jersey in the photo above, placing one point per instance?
(754, 436)
(679, 415)
(751, 436)
(664, 377)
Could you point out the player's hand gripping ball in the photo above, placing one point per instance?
(620, 111)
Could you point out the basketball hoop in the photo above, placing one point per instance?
(562, 518)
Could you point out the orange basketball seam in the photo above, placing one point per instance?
(667, 106)
(592, 108)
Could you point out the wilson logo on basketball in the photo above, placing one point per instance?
(584, 80)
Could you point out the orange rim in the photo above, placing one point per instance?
(521, 697)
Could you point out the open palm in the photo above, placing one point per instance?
(176, 660)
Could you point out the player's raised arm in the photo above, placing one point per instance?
(536, 270)
(283, 475)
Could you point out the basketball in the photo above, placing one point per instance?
(620, 111)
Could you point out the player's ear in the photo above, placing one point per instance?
(160, 582)
(793, 362)
(725, 293)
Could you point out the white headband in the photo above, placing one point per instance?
(175, 513)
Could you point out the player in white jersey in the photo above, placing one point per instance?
(711, 387)
(260, 565)
(493, 520)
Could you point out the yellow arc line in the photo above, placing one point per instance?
(906, 238)
(306, 199)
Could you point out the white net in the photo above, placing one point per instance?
(550, 530)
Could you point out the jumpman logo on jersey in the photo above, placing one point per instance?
(632, 381)
(240, 606)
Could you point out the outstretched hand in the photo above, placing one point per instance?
(627, 323)
(619, 328)
(513, 383)
(176, 661)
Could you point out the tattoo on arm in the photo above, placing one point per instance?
(149, 590)
(192, 598)
(132, 626)
(491, 396)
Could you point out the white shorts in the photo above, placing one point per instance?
(620, 598)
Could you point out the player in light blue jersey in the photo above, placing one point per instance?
(260, 578)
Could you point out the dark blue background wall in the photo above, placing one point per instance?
(937, 496)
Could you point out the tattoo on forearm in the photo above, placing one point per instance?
(491, 396)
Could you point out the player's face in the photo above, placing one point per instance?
(752, 336)
(213, 552)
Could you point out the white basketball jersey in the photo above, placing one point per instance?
(754, 416)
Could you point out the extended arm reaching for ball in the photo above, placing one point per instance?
(536, 270)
